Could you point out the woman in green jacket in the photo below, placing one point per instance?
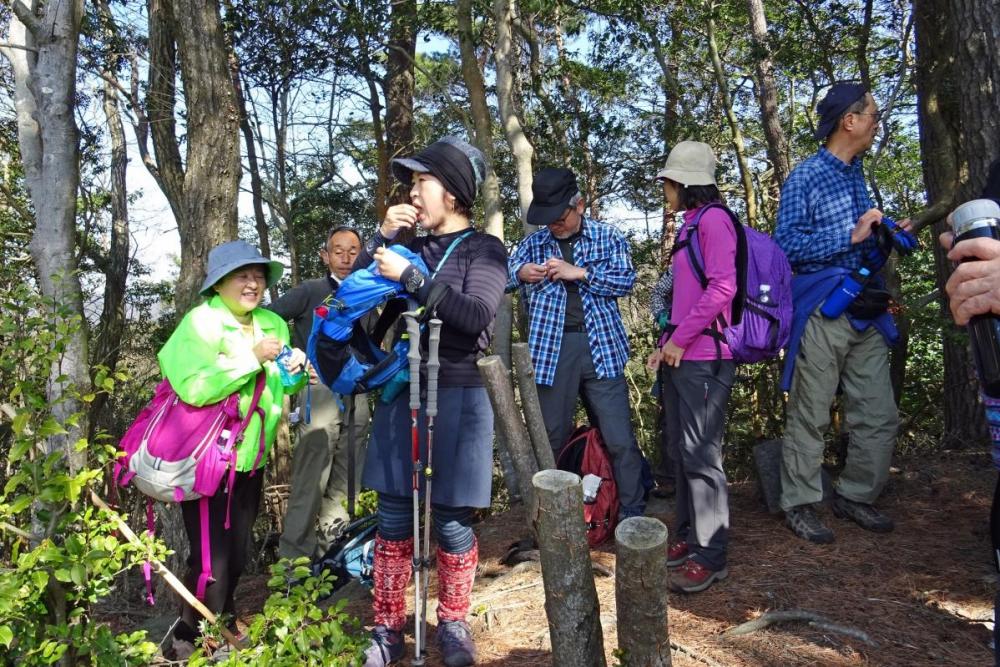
(219, 348)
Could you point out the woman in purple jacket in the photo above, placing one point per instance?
(700, 367)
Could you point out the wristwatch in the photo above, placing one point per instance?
(414, 281)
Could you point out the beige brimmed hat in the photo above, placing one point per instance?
(690, 163)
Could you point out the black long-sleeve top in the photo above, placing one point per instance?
(474, 277)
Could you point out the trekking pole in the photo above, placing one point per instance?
(433, 364)
(413, 355)
(351, 458)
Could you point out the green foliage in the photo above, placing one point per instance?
(59, 555)
(293, 629)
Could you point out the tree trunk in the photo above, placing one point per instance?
(107, 343)
(746, 177)
(767, 95)
(481, 119)
(202, 191)
(44, 103)
(571, 605)
(640, 593)
(399, 88)
(508, 421)
(958, 75)
(502, 336)
(525, 372)
(520, 147)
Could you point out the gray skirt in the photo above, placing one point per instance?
(462, 448)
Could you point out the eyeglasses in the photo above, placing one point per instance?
(877, 114)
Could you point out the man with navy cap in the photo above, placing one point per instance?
(572, 272)
(825, 226)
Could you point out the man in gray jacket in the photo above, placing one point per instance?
(315, 515)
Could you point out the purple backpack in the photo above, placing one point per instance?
(762, 308)
(175, 451)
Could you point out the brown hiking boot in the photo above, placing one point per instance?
(805, 523)
(862, 514)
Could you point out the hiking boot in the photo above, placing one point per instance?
(693, 577)
(454, 640)
(386, 647)
(862, 514)
(805, 523)
(677, 553)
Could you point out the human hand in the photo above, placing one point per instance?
(671, 354)
(653, 360)
(905, 224)
(313, 375)
(267, 349)
(531, 273)
(390, 263)
(559, 269)
(974, 286)
(400, 216)
(296, 361)
(863, 227)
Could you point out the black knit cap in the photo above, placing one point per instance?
(840, 96)
(459, 166)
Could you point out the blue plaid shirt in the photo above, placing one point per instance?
(603, 251)
(820, 203)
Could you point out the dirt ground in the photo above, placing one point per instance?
(922, 595)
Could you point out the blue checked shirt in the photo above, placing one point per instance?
(604, 253)
(820, 203)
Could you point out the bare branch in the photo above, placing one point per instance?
(8, 45)
(27, 17)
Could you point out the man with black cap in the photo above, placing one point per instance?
(825, 223)
(572, 272)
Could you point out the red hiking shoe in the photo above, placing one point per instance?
(678, 552)
(693, 577)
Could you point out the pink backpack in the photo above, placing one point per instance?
(174, 451)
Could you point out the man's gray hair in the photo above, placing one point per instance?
(575, 199)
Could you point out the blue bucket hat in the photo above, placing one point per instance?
(225, 258)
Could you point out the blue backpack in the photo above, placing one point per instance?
(762, 308)
(345, 357)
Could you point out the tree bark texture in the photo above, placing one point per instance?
(767, 96)
(641, 593)
(520, 147)
(44, 103)
(525, 372)
(202, 190)
(958, 90)
(399, 88)
(508, 419)
(749, 195)
(571, 605)
(481, 118)
(503, 330)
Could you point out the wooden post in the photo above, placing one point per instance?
(570, 594)
(508, 420)
(532, 409)
(641, 592)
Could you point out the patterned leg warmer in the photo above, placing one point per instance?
(392, 570)
(456, 573)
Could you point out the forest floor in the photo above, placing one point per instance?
(922, 595)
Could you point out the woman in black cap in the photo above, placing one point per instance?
(468, 275)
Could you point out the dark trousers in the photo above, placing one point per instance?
(452, 525)
(696, 398)
(995, 539)
(229, 547)
(608, 402)
(665, 472)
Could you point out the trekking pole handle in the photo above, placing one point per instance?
(413, 356)
(433, 365)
